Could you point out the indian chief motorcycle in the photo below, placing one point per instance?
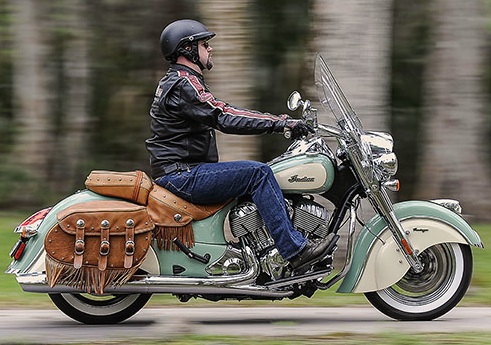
(102, 252)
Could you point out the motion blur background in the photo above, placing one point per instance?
(77, 78)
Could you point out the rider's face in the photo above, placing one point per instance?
(205, 50)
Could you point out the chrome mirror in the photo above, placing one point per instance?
(294, 101)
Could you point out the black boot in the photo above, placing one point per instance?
(310, 254)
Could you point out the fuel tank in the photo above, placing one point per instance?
(304, 172)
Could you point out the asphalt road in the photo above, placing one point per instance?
(51, 326)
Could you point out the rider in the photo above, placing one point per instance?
(183, 152)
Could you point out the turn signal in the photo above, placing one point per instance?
(392, 185)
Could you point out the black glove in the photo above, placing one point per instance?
(298, 128)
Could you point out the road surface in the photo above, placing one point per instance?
(48, 326)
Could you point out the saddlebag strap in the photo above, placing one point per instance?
(138, 182)
(79, 244)
(105, 245)
(129, 247)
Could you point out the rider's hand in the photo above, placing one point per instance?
(298, 128)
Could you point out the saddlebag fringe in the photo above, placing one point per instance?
(165, 236)
(89, 279)
(173, 217)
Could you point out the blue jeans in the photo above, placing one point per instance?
(211, 183)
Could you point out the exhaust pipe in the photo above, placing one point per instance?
(240, 284)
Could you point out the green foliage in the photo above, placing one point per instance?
(19, 188)
(340, 339)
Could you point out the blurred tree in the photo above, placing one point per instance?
(453, 161)
(31, 131)
(354, 37)
(410, 44)
(126, 64)
(51, 89)
(5, 77)
(32, 80)
(232, 77)
(70, 112)
(281, 34)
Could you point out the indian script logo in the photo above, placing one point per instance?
(295, 178)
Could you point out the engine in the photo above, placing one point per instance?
(308, 217)
(311, 219)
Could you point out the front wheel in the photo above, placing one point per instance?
(434, 291)
(99, 309)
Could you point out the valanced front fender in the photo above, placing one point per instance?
(377, 260)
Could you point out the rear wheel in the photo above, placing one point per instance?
(99, 309)
(434, 291)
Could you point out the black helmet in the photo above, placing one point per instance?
(178, 33)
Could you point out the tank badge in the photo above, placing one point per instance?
(295, 178)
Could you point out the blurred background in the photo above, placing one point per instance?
(77, 78)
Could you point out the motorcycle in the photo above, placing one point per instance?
(100, 254)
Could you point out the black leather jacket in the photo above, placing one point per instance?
(184, 115)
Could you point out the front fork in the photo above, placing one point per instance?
(383, 204)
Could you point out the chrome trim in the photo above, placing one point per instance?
(313, 146)
(451, 204)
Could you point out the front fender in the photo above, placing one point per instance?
(377, 261)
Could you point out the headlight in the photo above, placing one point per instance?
(385, 165)
(377, 148)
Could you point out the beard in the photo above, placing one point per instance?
(209, 63)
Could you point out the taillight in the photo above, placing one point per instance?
(27, 229)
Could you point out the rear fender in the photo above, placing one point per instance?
(377, 260)
(32, 259)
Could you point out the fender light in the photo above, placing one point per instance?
(27, 229)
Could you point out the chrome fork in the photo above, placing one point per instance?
(380, 200)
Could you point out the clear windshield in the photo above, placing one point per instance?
(333, 99)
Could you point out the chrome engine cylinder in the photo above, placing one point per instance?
(311, 218)
(246, 220)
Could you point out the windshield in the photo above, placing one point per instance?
(333, 99)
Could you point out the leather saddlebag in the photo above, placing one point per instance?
(97, 244)
(132, 185)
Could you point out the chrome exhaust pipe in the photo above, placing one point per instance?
(239, 284)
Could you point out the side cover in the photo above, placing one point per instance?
(377, 262)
